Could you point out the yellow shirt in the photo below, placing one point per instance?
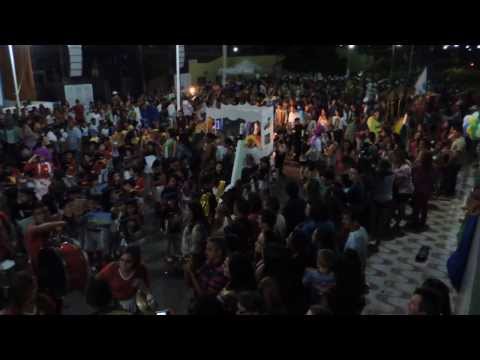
(373, 125)
(397, 128)
(119, 138)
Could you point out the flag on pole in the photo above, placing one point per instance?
(421, 85)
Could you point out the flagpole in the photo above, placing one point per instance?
(14, 73)
(178, 78)
(224, 73)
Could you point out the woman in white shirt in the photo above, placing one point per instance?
(292, 115)
(403, 185)
(339, 125)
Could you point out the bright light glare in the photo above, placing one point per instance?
(235, 49)
(192, 90)
(351, 46)
(445, 47)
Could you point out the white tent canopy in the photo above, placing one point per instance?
(245, 67)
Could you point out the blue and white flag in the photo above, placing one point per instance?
(421, 85)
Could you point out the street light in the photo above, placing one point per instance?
(445, 47)
(235, 49)
(350, 47)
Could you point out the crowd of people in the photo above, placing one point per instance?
(88, 172)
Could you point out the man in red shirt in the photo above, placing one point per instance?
(37, 234)
(125, 277)
(79, 111)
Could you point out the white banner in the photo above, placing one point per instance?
(250, 114)
(82, 92)
(259, 132)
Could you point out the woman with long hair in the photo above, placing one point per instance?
(195, 234)
(403, 185)
(423, 176)
(241, 277)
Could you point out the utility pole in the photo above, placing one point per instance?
(14, 74)
(224, 72)
(178, 77)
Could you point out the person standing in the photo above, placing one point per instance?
(374, 124)
(170, 147)
(280, 154)
(79, 112)
(37, 234)
(187, 111)
(403, 185)
(294, 210)
(172, 114)
(458, 150)
(423, 188)
(74, 139)
(357, 238)
(125, 277)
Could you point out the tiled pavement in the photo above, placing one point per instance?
(392, 272)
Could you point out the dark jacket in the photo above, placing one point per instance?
(294, 213)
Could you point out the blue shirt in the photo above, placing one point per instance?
(317, 284)
(74, 139)
(309, 226)
(358, 241)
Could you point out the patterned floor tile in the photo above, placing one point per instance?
(393, 274)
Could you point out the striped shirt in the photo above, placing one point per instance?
(212, 278)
